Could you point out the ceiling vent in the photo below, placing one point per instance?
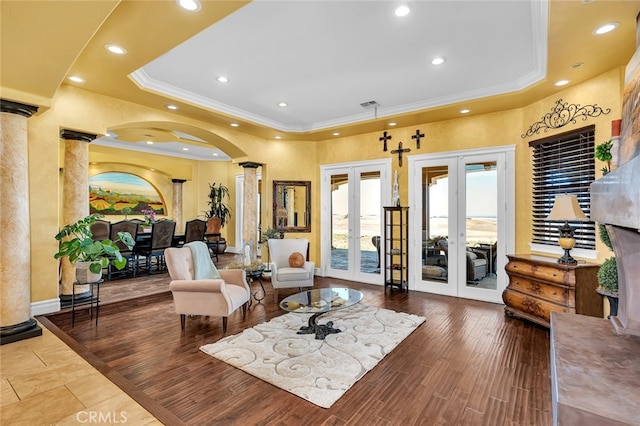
(370, 104)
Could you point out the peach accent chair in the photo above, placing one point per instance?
(282, 274)
(209, 297)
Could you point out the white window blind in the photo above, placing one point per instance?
(563, 164)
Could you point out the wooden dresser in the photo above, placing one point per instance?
(539, 285)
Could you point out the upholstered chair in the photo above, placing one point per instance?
(290, 269)
(216, 297)
(476, 266)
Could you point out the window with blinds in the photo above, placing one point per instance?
(563, 164)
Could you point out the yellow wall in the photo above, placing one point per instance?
(84, 111)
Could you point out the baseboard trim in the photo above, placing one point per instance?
(45, 307)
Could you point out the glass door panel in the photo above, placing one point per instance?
(464, 232)
(340, 222)
(369, 222)
(356, 197)
(481, 224)
(435, 224)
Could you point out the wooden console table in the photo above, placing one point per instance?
(539, 285)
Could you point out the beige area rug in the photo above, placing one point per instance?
(320, 371)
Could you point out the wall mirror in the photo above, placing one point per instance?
(292, 206)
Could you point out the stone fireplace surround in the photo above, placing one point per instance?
(595, 363)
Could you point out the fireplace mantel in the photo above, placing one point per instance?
(615, 201)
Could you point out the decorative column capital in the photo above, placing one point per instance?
(17, 108)
(250, 165)
(178, 180)
(73, 135)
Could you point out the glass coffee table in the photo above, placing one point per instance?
(320, 301)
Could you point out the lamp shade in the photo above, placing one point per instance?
(566, 207)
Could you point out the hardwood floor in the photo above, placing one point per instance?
(467, 364)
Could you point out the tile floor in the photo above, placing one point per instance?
(44, 382)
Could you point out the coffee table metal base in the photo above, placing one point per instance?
(320, 330)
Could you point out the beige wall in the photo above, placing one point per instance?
(282, 160)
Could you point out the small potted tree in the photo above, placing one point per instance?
(76, 243)
(603, 153)
(218, 214)
(608, 274)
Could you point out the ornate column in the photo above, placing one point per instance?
(250, 204)
(75, 199)
(176, 204)
(15, 246)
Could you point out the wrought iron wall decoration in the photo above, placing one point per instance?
(562, 114)
(417, 137)
(384, 138)
(400, 151)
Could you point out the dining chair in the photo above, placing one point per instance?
(100, 230)
(132, 228)
(162, 233)
(194, 230)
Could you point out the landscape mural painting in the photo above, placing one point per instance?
(115, 193)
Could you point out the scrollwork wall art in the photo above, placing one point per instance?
(564, 113)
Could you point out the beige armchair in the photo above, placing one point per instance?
(283, 275)
(210, 297)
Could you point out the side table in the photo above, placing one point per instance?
(256, 275)
(93, 297)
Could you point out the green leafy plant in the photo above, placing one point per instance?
(608, 278)
(269, 234)
(608, 272)
(603, 153)
(76, 243)
(217, 206)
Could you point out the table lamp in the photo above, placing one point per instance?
(566, 207)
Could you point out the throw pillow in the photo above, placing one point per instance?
(296, 260)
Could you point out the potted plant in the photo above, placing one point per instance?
(76, 244)
(269, 234)
(218, 215)
(608, 274)
(603, 153)
(217, 207)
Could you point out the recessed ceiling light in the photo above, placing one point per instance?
(393, 123)
(561, 83)
(437, 61)
(185, 149)
(215, 154)
(222, 79)
(282, 104)
(336, 133)
(576, 65)
(278, 137)
(465, 111)
(76, 79)
(173, 107)
(149, 142)
(234, 125)
(190, 5)
(606, 28)
(115, 49)
(402, 10)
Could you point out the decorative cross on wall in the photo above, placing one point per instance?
(384, 138)
(417, 137)
(399, 151)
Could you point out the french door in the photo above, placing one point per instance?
(352, 198)
(462, 205)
